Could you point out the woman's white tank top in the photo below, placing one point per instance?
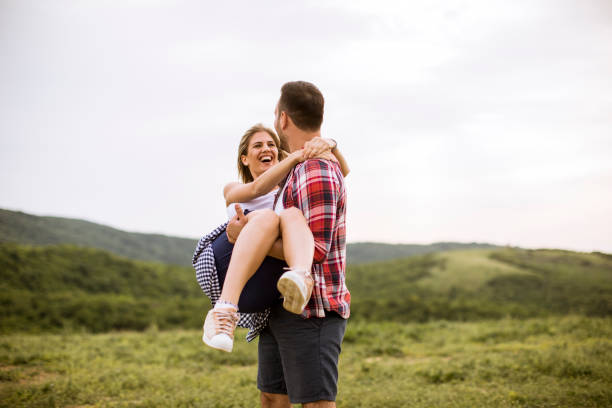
(264, 201)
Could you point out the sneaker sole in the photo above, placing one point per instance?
(211, 344)
(294, 299)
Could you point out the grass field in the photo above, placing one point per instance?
(544, 362)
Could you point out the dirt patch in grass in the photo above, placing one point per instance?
(25, 375)
(405, 360)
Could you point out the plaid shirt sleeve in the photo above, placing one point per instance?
(317, 196)
(316, 187)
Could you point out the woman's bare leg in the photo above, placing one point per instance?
(298, 243)
(250, 249)
(255, 241)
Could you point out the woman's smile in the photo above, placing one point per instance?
(261, 154)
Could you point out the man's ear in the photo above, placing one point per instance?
(284, 120)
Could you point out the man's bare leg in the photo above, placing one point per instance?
(320, 404)
(269, 400)
(250, 249)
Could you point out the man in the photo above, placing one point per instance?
(298, 354)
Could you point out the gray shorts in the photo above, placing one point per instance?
(299, 357)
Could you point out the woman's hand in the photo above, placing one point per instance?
(297, 156)
(319, 148)
(235, 225)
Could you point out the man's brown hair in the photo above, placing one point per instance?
(304, 104)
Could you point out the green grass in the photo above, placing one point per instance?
(543, 362)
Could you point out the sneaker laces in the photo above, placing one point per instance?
(307, 273)
(225, 321)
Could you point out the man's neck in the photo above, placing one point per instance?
(298, 137)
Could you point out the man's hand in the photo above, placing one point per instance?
(236, 224)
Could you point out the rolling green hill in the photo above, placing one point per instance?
(46, 288)
(364, 252)
(22, 228)
(475, 284)
(64, 286)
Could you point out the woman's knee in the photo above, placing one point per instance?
(264, 218)
(292, 218)
(291, 213)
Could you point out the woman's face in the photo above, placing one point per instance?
(261, 154)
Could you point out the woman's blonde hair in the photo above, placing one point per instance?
(243, 148)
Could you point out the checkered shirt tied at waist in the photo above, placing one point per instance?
(206, 275)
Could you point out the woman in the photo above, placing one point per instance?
(247, 275)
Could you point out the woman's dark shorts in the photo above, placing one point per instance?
(260, 291)
(299, 357)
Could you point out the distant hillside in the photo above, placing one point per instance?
(30, 229)
(361, 252)
(52, 287)
(476, 284)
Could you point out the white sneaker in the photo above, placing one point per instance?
(296, 287)
(219, 328)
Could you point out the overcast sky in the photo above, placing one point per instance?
(485, 121)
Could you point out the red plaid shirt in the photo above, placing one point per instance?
(317, 188)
